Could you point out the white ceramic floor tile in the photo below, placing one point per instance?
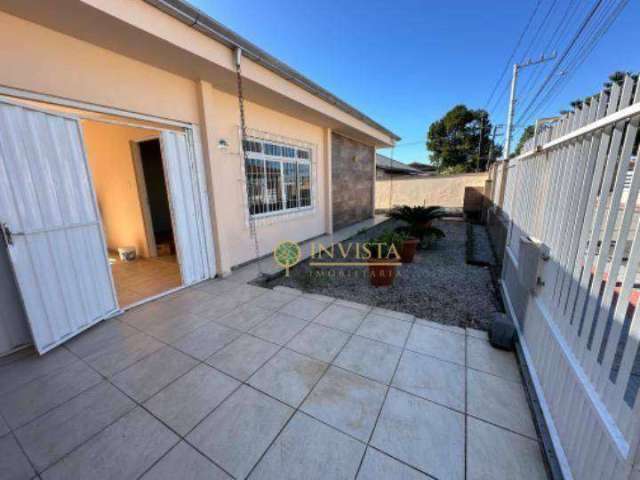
(499, 401)
(185, 402)
(346, 401)
(184, 462)
(438, 343)
(377, 466)
(242, 357)
(240, 430)
(341, 317)
(428, 377)
(482, 356)
(310, 450)
(384, 329)
(422, 434)
(496, 453)
(373, 359)
(320, 342)
(288, 376)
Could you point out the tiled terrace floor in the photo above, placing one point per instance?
(232, 380)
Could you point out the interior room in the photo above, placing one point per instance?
(129, 179)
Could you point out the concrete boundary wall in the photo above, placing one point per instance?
(446, 191)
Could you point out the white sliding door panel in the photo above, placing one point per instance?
(192, 227)
(55, 239)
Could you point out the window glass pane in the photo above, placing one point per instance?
(304, 182)
(279, 183)
(288, 152)
(271, 149)
(274, 187)
(254, 170)
(291, 184)
(252, 146)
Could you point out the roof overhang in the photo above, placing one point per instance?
(176, 37)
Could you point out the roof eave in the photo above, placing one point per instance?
(202, 22)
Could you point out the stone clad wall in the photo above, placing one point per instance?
(352, 172)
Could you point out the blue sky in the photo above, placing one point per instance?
(406, 62)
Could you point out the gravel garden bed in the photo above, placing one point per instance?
(439, 285)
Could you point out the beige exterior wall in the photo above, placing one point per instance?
(45, 61)
(222, 122)
(147, 18)
(114, 178)
(446, 191)
(97, 76)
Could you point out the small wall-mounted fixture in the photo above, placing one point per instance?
(223, 144)
(531, 256)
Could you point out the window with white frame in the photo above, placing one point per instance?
(278, 177)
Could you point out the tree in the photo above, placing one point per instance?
(526, 135)
(454, 140)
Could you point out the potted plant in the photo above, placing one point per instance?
(385, 256)
(419, 220)
(430, 236)
(409, 247)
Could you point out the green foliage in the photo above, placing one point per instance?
(419, 219)
(416, 215)
(454, 170)
(526, 135)
(430, 236)
(380, 246)
(454, 139)
(311, 279)
(618, 77)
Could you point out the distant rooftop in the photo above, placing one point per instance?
(389, 165)
(423, 167)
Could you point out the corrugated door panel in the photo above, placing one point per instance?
(58, 252)
(190, 222)
(201, 182)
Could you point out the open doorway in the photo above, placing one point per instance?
(152, 187)
(131, 189)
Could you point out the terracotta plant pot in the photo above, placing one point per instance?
(408, 251)
(381, 274)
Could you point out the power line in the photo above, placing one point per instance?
(581, 57)
(600, 29)
(563, 56)
(515, 49)
(552, 45)
(543, 23)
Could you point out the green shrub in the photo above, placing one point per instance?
(417, 215)
(381, 246)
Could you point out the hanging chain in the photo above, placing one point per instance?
(393, 150)
(243, 136)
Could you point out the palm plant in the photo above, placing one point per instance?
(422, 216)
(419, 221)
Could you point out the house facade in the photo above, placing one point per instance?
(93, 91)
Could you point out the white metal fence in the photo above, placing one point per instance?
(575, 188)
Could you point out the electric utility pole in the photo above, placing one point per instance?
(493, 141)
(480, 144)
(512, 98)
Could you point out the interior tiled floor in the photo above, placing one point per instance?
(229, 380)
(144, 277)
